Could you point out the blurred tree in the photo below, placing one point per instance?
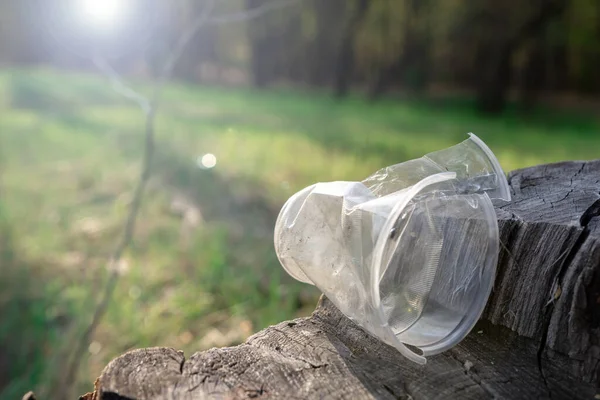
(203, 49)
(345, 59)
(329, 19)
(534, 71)
(260, 51)
(485, 48)
(557, 62)
(500, 38)
(410, 68)
(583, 35)
(21, 31)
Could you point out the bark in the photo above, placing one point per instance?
(539, 336)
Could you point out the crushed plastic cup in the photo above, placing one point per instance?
(409, 253)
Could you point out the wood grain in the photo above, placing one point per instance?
(539, 336)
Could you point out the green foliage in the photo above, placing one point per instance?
(201, 271)
(33, 317)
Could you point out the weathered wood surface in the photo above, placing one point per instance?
(539, 336)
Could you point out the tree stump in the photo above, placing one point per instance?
(539, 336)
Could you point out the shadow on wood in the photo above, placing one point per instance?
(539, 336)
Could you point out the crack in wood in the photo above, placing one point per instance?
(547, 284)
(405, 396)
(590, 213)
(470, 370)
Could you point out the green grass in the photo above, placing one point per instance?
(70, 152)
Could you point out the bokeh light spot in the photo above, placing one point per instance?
(207, 161)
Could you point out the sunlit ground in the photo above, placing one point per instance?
(201, 271)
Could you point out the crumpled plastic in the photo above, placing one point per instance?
(409, 253)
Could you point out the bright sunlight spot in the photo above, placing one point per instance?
(207, 161)
(103, 13)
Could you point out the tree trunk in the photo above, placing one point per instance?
(539, 336)
(324, 44)
(411, 67)
(495, 57)
(345, 60)
(202, 48)
(292, 62)
(494, 78)
(260, 48)
(534, 74)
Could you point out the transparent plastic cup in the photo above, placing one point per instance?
(409, 253)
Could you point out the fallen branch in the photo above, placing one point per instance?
(149, 107)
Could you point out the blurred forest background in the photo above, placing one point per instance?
(268, 97)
